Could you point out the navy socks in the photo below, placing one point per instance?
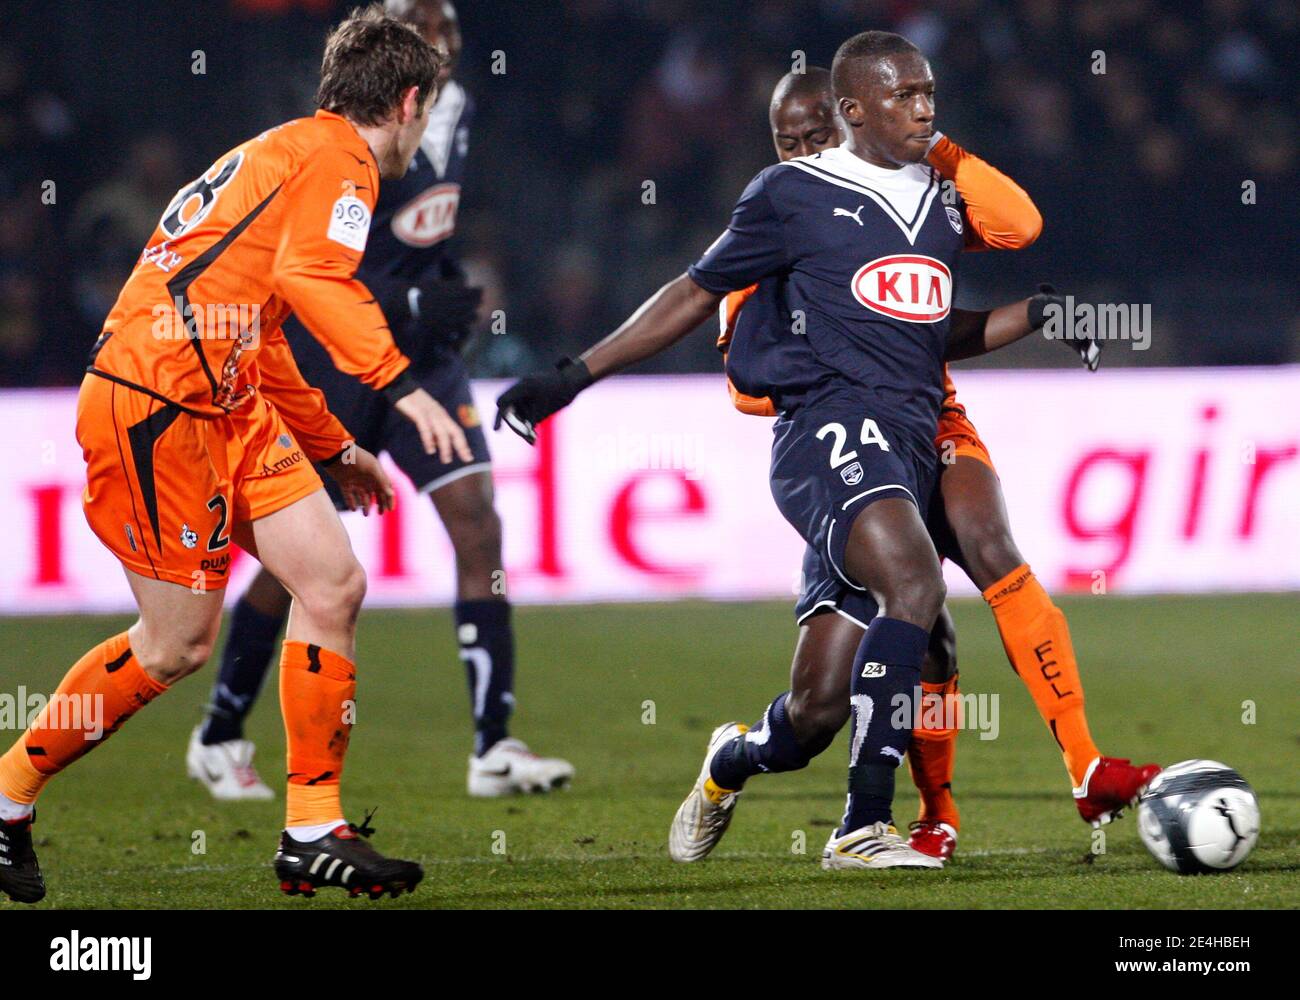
(487, 648)
(769, 746)
(887, 666)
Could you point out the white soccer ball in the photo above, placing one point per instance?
(1199, 816)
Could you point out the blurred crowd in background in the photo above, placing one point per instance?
(1144, 172)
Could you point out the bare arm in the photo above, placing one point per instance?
(976, 333)
(663, 319)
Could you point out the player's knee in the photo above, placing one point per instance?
(336, 599)
(170, 658)
(475, 533)
(351, 590)
(916, 597)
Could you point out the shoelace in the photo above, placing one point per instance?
(365, 829)
(717, 817)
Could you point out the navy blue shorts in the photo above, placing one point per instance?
(829, 462)
(377, 427)
(823, 590)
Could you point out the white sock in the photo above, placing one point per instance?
(305, 834)
(11, 810)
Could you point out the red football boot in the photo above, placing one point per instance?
(1109, 786)
(938, 840)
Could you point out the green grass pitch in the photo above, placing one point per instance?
(1166, 679)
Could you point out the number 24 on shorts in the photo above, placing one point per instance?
(870, 434)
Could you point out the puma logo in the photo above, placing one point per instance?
(855, 216)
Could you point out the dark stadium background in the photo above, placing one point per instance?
(1138, 172)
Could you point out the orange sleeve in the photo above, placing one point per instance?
(728, 309)
(999, 214)
(302, 406)
(328, 207)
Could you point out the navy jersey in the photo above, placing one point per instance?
(416, 213)
(866, 260)
(766, 357)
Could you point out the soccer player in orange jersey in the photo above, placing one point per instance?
(199, 432)
(968, 525)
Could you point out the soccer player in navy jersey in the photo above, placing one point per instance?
(967, 522)
(423, 292)
(865, 252)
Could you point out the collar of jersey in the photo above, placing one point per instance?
(351, 129)
(904, 194)
(440, 133)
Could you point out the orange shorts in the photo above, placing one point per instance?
(957, 436)
(164, 488)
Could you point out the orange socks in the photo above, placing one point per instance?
(101, 691)
(933, 749)
(317, 698)
(107, 686)
(1037, 640)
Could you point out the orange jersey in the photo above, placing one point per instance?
(277, 224)
(728, 310)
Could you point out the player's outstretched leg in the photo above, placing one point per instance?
(501, 764)
(798, 725)
(96, 697)
(218, 755)
(1036, 638)
(933, 749)
(888, 550)
(704, 816)
(305, 546)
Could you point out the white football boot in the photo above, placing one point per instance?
(876, 846)
(226, 769)
(509, 767)
(705, 815)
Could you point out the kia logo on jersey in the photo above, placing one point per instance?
(911, 287)
(429, 218)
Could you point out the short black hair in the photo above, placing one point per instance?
(862, 51)
(814, 81)
(370, 61)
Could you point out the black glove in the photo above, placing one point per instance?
(435, 312)
(1087, 348)
(531, 400)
